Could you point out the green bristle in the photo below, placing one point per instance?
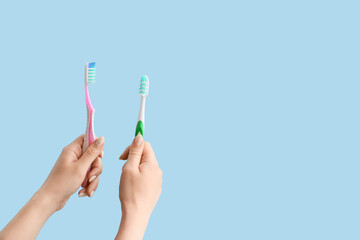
(144, 85)
(91, 75)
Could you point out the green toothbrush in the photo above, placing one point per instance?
(143, 92)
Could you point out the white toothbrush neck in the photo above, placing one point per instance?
(86, 74)
(142, 110)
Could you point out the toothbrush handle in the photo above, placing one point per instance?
(140, 128)
(89, 137)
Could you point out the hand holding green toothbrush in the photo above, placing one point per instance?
(141, 179)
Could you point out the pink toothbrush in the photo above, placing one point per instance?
(89, 137)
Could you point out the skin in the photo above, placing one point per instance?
(69, 170)
(140, 189)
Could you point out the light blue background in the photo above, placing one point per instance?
(253, 112)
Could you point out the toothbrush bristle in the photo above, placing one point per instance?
(144, 86)
(91, 72)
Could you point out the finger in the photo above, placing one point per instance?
(125, 154)
(96, 169)
(82, 193)
(91, 188)
(91, 153)
(78, 141)
(148, 155)
(76, 145)
(101, 155)
(135, 152)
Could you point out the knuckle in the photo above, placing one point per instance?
(135, 152)
(127, 169)
(95, 171)
(65, 149)
(159, 173)
(124, 168)
(91, 152)
(148, 144)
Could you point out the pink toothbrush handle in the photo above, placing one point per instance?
(89, 137)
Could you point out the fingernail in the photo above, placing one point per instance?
(138, 139)
(92, 178)
(102, 155)
(92, 193)
(100, 141)
(120, 158)
(82, 194)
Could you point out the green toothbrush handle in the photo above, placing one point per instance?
(140, 128)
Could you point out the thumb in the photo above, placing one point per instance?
(136, 151)
(92, 153)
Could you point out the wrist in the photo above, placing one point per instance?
(48, 201)
(133, 224)
(30, 219)
(134, 216)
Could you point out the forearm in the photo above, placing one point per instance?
(132, 226)
(30, 219)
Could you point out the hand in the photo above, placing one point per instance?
(70, 170)
(64, 179)
(140, 188)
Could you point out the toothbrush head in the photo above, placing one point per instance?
(144, 86)
(91, 72)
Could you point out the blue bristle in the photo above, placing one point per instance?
(91, 72)
(92, 65)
